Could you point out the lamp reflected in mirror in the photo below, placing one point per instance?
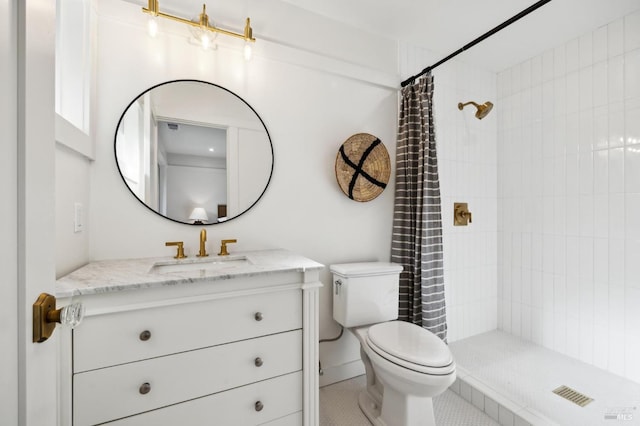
(199, 216)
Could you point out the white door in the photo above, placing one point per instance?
(27, 35)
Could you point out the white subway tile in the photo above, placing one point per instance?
(601, 172)
(632, 168)
(615, 78)
(547, 66)
(505, 416)
(573, 333)
(632, 216)
(601, 346)
(585, 134)
(560, 294)
(586, 337)
(600, 44)
(572, 52)
(586, 258)
(601, 304)
(632, 31)
(601, 215)
(632, 121)
(600, 83)
(631, 264)
(616, 261)
(616, 171)
(585, 170)
(560, 95)
(572, 133)
(586, 50)
(615, 37)
(585, 88)
(477, 399)
(559, 61)
(601, 259)
(491, 408)
(617, 342)
(586, 215)
(632, 74)
(601, 127)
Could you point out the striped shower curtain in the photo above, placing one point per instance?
(417, 225)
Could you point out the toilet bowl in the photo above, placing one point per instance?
(402, 379)
(405, 364)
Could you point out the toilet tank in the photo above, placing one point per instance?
(365, 293)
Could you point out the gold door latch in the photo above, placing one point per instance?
(461, 214)
(45, 316)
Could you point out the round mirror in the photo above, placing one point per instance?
(194, 152)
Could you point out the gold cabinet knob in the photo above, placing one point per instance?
(258, 316)
(145, 335)
(258, 362)
(145, 388)
(259, 406)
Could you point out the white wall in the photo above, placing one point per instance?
(467, 165)
(310, 104)
(569, 173)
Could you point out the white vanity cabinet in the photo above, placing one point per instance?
(224, 349)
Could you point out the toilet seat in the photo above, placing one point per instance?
(411, 346)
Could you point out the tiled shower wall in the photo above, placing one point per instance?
(468, 171)
(569, 198)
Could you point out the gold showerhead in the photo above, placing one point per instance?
(483, 110)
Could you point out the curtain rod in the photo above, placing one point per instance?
(478, 40)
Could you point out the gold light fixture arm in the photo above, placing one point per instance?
(203, 21)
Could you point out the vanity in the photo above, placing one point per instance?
(219, 340)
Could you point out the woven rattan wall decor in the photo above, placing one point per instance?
(363, 167)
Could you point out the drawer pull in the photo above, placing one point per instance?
(259, 406)
(258, 316)
(145, 388)
(259, 362)
(145, 335)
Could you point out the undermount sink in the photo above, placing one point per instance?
(209, 264)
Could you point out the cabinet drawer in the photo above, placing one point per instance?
(279, 397)
(115, 392)
(118, 338)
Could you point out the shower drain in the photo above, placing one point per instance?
(572, 395)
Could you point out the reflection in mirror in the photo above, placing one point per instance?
(193, 152)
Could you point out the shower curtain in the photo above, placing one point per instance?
(417, 225)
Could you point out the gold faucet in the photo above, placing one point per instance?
(180, 244)
(203, 239)
(223, 247)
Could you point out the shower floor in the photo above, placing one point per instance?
(512, 381)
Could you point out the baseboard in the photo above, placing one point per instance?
(338, 373)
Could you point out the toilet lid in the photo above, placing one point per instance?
(410, 343)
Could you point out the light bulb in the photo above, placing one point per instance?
(205, 40)
(152, 26)
(248, 51)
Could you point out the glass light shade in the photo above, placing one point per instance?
(152, 26)
(199, 215)
(248, 50)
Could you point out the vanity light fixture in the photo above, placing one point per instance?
(202, 28)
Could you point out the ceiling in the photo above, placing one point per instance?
(444, 26)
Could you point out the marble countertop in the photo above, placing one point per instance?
(109, 276)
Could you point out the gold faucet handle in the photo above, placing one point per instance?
(180, 244)
(223, 247)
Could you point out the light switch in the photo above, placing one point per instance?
(78, 217)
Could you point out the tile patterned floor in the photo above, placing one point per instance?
(339, 407)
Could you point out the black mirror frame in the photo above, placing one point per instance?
(211, 84)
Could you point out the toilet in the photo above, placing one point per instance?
(405, 364)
